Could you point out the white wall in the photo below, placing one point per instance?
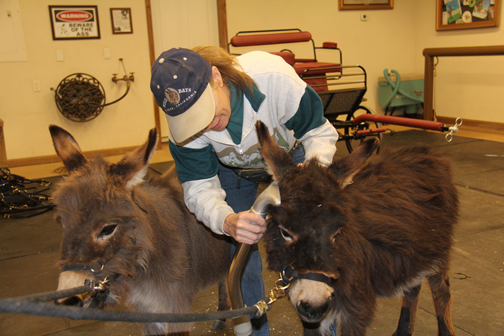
(386, 40)
(27, 114)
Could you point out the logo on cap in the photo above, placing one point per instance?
(172, 95)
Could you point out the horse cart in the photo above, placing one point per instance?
(340, 87)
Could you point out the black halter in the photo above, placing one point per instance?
(289, 273)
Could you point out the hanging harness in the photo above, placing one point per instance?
(21, 197)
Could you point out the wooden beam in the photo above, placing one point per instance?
(222, 18)
(152, 54)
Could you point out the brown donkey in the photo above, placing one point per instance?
(139, 234)
(361, 229)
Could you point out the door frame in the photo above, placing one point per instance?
(223, 37)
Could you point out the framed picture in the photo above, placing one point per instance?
(121, 20)
(366, 4)
(465, 14)
(74, 22)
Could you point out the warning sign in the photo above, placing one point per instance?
(74, 22)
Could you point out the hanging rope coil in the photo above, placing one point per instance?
(80, 97)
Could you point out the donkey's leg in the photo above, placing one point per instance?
(440, 286)
(223, 305)
(150, 329)
(408, 312)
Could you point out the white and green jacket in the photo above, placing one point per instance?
(286, 104)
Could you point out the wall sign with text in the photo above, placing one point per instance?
(121, 20)
(74, 22)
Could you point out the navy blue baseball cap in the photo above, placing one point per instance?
(180, 83)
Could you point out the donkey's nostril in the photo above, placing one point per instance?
(71, 301)
(311, 313)
(304, 308)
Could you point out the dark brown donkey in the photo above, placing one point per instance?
(360, 229)
(137, 233)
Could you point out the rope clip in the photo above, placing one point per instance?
(453, 129)
(97, 286)
(277, 292)
(262, 307)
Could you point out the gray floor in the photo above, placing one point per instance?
(29, 251)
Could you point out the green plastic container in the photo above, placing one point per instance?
(412, 85)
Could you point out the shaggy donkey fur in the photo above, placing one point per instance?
(374, 225)
(140, 230)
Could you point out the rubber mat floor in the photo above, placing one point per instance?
(29, 251)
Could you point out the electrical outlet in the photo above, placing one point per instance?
(36, 85)
(106, 53)
(60, 56)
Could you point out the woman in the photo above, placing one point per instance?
(212, 101)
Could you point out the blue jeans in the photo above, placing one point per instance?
(242, 199)
(252, 285)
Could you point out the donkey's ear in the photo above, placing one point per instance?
(279, 163)
(67, 148)
(345, 169)
(131, 170)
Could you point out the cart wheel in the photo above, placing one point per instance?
(353, 139)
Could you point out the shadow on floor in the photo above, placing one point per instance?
(29, 251)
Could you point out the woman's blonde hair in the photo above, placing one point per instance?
(228, 66)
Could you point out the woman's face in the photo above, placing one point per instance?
(222, 103)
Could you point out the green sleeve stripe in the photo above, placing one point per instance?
(194, 164)
(309, 115)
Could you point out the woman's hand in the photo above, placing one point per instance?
(245, 227)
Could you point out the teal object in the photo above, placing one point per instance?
(407, 93)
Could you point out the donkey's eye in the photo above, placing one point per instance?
(335, 235)
(285, 234)
(107, 230)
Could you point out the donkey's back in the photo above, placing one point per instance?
(136, 234)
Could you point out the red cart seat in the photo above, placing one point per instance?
(310, 69)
